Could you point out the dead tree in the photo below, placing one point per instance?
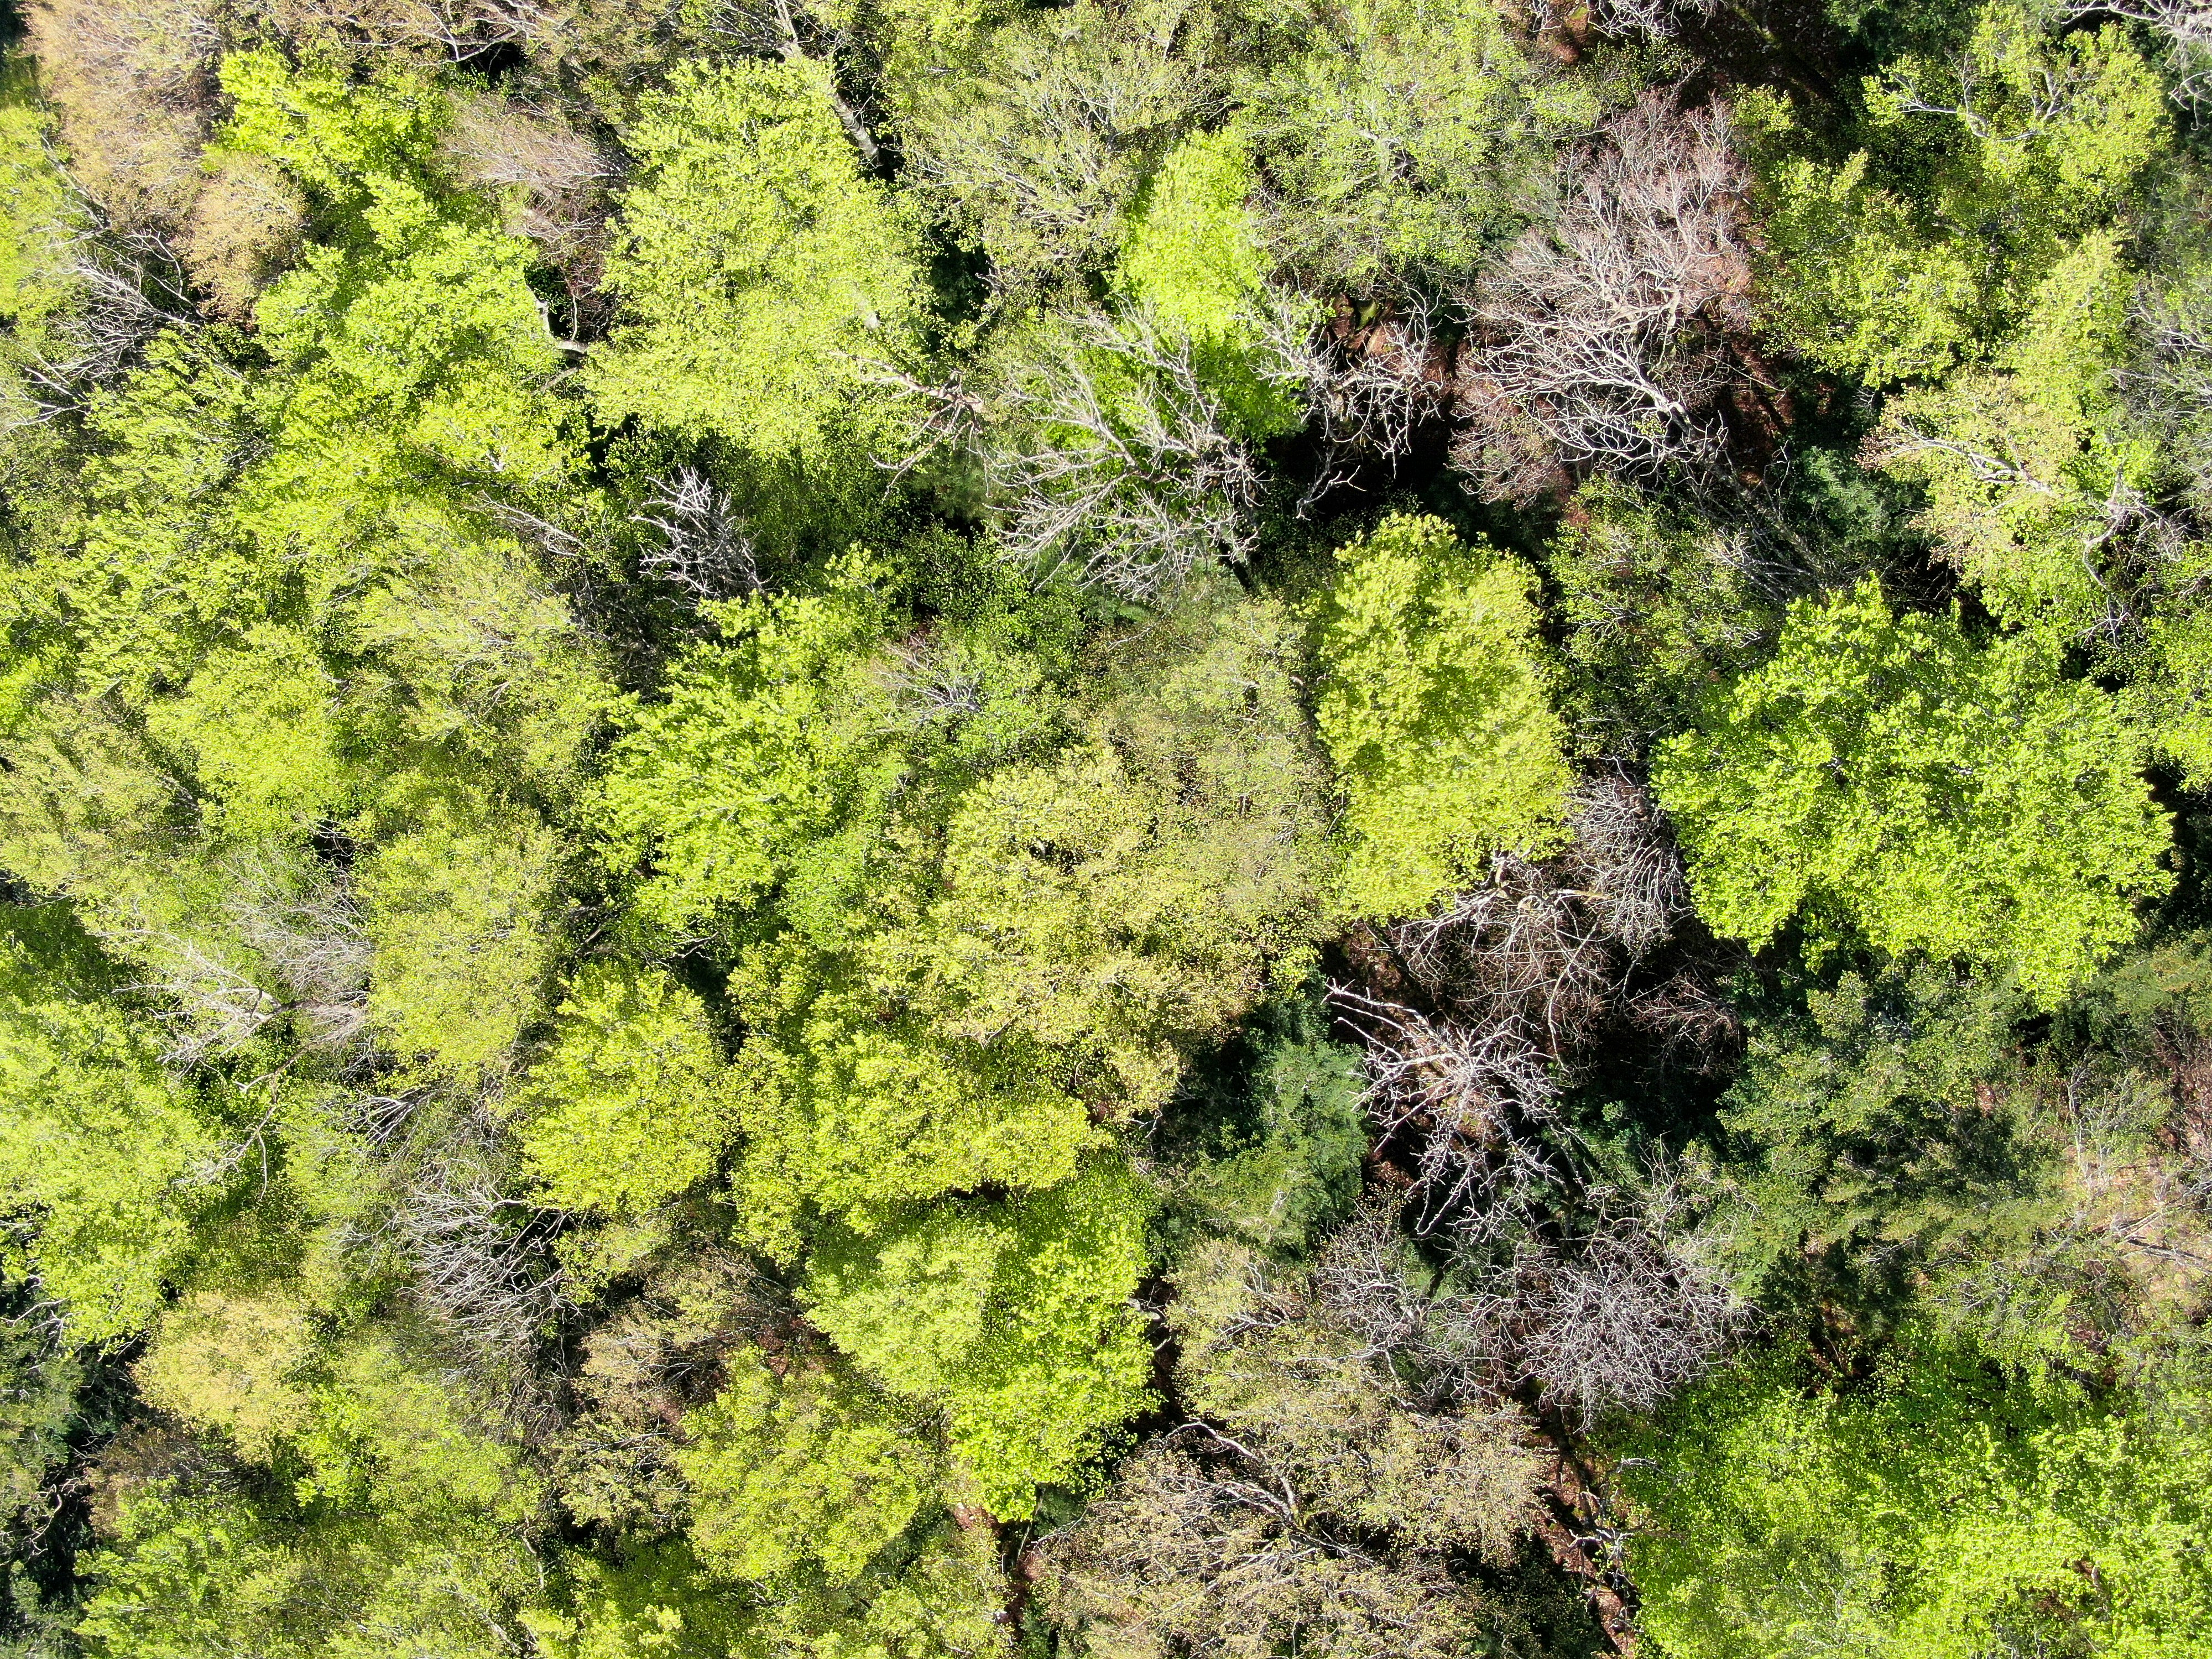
(1130, 475)
(1366, 392)
(702, 552)
(1616, 1319)
(1596, 344)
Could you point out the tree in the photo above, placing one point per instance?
(809, 1466)
(1012, 1317)
(456, 912)
(1039, 146)
(1940, 1507)
(1402, 138)
(756, 266)
(106, 1157)
(1117, 453)
(1880, 1133)
(1598, 337)
(1311, 1499)
(1885, 782)
(2027, 139)
(631, 1106)
(1436, 711)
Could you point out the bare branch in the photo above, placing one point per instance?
(1596, 342)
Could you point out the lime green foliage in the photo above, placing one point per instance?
(1044, 947)
(190, 1573)
(149, 569)
(2022, 463)
(1985, 170)
(415, 357)
(1191, 254)
(456, 916)
(1884, 780)
(809, 1467)
(1850, 284)
(1193, 260)
(753, 260)
(392, 1528)
(1405, 134)
(942, 1597)
(739, 777)
(39, 213)
(631, 1106)
(233, 1362)
(113, 1155)
(256, 725)
(1012, 1317)
(1940, 1510)
(1436, 710)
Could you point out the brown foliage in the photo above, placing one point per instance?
(1596, 344)
(135, 89)
(450, 31)
(243, 229)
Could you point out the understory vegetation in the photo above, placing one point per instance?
(1128, 829)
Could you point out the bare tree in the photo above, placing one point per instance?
(564, 179)
(1652, 17)
(1617, 1318)
(1366, 392)
(482, 1260)
(129, 289)
(1596, 344)
(456, 31)
(2186, 26)
(1517, 978)
(1129, 473)
(1628, 862)
(1470, 1103)
(703, 552)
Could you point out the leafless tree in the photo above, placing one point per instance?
(482, 1266)
(1611, 1316)
(1132, 475)
(1627, 863)
(1209, 1556)
(1652, 17)
(1517, 979)
(315, 943)
(564, 179)
(129, 289)
(2186, 26)
(1615, 1320)
(1366, 394)
(1360, 1282)
(1596, 344)
(216, 1005)
(703, 553)
(1471, 1103)
(457, 31)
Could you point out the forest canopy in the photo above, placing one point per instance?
(1105, 830)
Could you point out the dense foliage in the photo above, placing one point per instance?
(1150, 829)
